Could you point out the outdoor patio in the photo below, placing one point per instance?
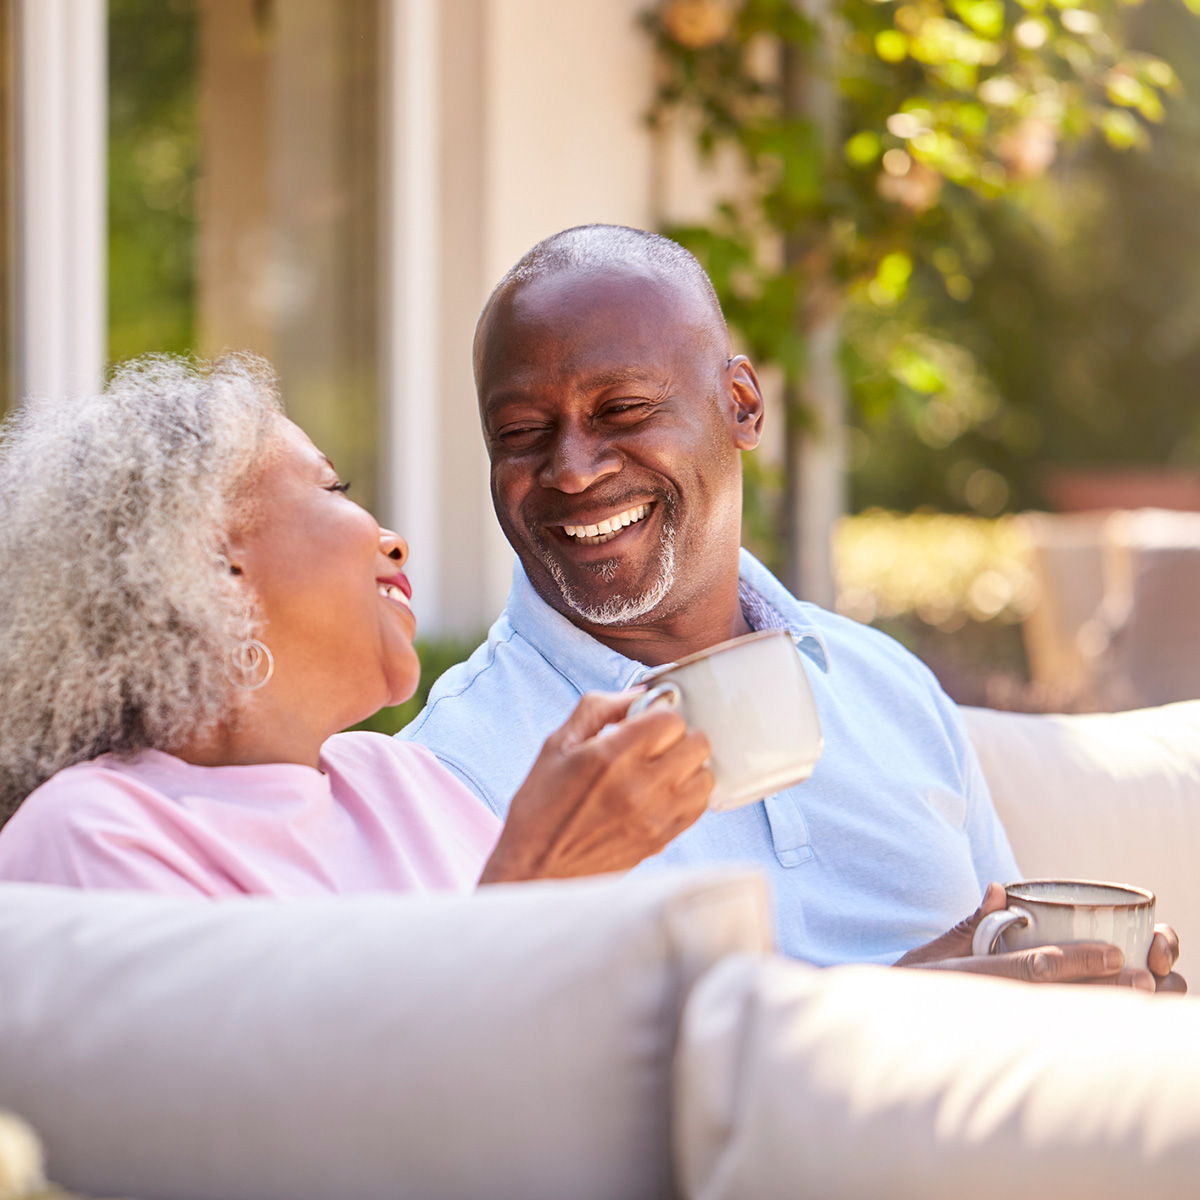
(958, 241)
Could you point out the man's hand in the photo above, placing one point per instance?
(602, 796)
(1079, 962)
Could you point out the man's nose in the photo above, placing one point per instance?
(393, 546)
(578, 460)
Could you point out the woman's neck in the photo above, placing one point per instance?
(261, 735)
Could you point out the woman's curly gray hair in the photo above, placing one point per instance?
(119, 619)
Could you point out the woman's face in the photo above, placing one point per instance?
(329, 585)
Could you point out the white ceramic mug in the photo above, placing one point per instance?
(751, 698)
(1055, 912)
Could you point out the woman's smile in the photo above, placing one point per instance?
(397, 590)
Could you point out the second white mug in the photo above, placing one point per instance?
(1056, 912)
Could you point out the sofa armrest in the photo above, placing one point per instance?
(1112, 796)
(511, 1044)
(857, 1082)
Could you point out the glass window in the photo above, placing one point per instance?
(288, 209)
(244, 212)
(153, 153)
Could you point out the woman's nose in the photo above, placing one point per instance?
(393, 546)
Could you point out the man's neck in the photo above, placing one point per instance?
(690, 628)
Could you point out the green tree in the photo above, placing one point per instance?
(1080, 336)
(880, 142)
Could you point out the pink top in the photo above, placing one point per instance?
(384, 816)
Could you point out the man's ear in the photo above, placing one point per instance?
(747, 402)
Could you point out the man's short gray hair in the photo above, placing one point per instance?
(593, 247)
(118, 616)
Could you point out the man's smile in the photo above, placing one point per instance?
(607, 528)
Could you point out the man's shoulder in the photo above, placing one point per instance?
(493, 711)
(845, 639)
(503, 662)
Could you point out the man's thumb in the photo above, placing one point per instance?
(994, 899)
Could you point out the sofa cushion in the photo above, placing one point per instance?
(1103, 796)
(515, 1043)
(859, 1082)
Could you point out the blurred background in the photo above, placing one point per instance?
(959, 237)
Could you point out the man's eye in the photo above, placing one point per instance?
(520, 437)
(625, 411)
(339, 487)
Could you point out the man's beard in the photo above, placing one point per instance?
(618, 610)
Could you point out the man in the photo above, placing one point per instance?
(615, 415)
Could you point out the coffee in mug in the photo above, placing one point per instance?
(1055, 912)
(751, 698)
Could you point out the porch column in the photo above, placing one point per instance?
(62, 93)
(410, 327)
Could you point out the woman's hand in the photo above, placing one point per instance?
(602, 796)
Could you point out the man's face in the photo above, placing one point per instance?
(613, 424)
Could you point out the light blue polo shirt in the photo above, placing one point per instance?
(890, 841)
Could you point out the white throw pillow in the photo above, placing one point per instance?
(1111, 796)
(515, 1043)
(857, 1083)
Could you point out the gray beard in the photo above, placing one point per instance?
(619, 610)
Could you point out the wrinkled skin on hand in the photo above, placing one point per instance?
(604, 793)
(1079, 962)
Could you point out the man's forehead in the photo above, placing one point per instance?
(612, 326)
(606, 291)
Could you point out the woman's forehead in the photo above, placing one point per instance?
(293, 449)
(288, 458)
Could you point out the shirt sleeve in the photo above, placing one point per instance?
(93, 834)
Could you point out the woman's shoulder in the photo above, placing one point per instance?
(378, 768)
(101, 797)
(93, 783)
(361, 751)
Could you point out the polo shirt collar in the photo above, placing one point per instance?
(589, 665)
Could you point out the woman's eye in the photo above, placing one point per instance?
(339, 487)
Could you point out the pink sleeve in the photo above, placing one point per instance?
(92, 830)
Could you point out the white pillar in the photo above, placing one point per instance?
(411, 237)
(62, 104)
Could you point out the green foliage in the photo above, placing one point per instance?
(910, 218)
(1078, 340)
(437, 657)
(944, 104)
(153, 155)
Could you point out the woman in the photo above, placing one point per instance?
(191, 608)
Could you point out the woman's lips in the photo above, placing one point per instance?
(397, 589)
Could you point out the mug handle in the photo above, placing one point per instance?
(667, 693)
(988, 931)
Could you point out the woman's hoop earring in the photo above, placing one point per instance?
(254, 664)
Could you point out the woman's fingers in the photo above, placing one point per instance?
(648, 734)
(593, 712)
(604, 794)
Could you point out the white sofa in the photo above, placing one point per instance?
(1102, 796)
(616, 1039)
